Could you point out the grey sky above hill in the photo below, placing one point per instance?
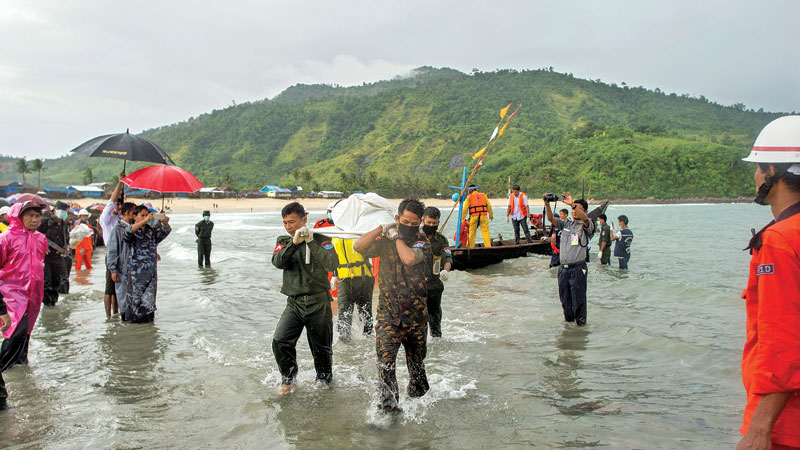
(73, 70)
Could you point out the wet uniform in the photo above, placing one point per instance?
(308, 305)
(605, 236)
(402, 317)
(54, 263)
(572, 270)
(771, 356)
(355, 287)
(622, 248)
(441, 256)
(203, 232)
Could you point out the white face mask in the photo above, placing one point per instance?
(61, 214)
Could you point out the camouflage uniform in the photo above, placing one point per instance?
(441, 256)
(308, 305)
(402, 318)
(140, 273)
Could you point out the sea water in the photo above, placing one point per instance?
(657, 365)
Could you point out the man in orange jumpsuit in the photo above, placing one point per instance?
(478, 207)
(83, 251)
(771, 358)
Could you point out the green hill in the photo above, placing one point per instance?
(412, 136)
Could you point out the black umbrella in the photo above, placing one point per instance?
(124, 146)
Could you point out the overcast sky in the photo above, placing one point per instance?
(72, 70)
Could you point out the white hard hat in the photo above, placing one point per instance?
(4, 210)
(778, 142)
(331, 205)
(83, 212)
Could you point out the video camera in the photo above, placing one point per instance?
(550, 197)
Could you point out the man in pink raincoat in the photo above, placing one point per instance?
(22, 251)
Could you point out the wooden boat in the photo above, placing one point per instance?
(474, 258)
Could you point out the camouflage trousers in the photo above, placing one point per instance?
(388, 339)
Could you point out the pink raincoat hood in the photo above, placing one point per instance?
(21, 270)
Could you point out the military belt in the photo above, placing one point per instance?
(308, 297)
(569, 266)
(352, 265)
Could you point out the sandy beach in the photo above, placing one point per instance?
(228, 205)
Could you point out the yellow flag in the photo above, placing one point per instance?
(479, 154)
(504, 111)
(502, 129)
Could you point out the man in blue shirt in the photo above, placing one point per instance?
(622, 248)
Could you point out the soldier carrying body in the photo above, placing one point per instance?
(402, 317)
(305, 259)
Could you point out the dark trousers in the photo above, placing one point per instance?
(435, 311)
(572, 291)
(312, 312)
(53, 273)
(623, 262)
(10, 352)
(204, 252)
(606, 258)
(356, 291)
(388, 339)
(524, 224)
(63, 286)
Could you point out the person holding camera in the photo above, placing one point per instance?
(572, 270)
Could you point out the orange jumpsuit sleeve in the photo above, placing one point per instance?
(777, 362)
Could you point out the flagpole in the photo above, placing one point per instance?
(489, 147)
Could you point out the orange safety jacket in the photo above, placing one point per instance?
(477, 204)
(523, 208)
(771, 356)
(323, 223)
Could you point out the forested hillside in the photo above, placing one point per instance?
(412, 136)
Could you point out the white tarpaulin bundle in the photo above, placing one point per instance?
(80, 233)
(358, 215)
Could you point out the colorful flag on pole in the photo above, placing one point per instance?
(512, 114)
(479, 154)
(494, 134)
(504, 111)
(502, 129)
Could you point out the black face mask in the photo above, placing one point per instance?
(429, 229)
(407, 232)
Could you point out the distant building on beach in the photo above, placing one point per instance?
(276, 191)
(84, 191)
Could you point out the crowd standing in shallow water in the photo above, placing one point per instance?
(410, 265)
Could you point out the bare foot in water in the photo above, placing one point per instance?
(285, 389)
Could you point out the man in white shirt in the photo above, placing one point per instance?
(108, 219)
(518, 210)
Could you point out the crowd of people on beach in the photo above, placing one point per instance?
(415, 260)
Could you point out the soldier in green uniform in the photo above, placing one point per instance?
(402, 312)
(56, 230)
(305, 259)
(203, 232)
(437, 272)
(605, 239)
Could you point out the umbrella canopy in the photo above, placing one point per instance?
(97, 207)
(25, 197)
(4, 202)
(163, 179)
(124, 146)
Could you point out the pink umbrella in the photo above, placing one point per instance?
(25, 197)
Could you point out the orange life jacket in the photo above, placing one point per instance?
(323, 223)
(477, 204)
(522, 207)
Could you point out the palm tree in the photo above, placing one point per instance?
(37, 165)
(88, 177)
(23, 168)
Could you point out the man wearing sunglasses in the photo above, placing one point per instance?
(574, 239)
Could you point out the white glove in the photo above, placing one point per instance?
(600, 254)
(443, 275)
(309, 235)
(301, 235)
(387, 228)
(333, 283)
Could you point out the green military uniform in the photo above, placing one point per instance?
(441, 256)
(605, 236)
(402, 317)
(203, 232)
(308, 305)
